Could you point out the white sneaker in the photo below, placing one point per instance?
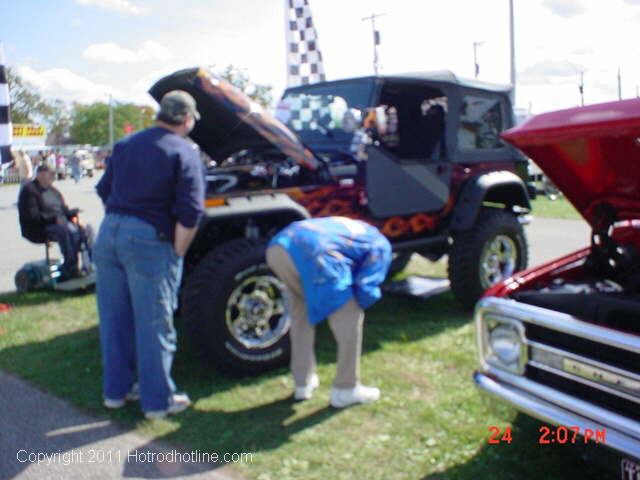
(343, 397)
(306, 392)
(132, 396)
(178, 402)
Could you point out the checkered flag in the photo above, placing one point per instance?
(5, 119)
(304, 59)
(309, 112)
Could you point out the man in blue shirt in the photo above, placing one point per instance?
(153, 191)
(332, 267)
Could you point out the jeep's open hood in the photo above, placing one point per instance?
(230, 121)
(591, 153)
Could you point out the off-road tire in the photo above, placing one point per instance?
(469, 248)
(207, 296)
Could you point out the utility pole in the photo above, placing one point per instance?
(513, 51)
(376, 40)
(619, 85)
(475, 58)
(581, 88)
(111, 121)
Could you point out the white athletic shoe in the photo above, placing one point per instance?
(306, 392)
(343, 397)
(179, 402)
(132, 396)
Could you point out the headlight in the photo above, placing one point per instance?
(502, 343)
(505, 343)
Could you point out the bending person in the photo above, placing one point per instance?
(332, 267)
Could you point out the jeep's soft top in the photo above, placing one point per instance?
(441, 76)
(231, 122)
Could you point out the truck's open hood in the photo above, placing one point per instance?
(591, 153)
(230, 121)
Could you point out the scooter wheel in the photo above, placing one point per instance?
(24, 281)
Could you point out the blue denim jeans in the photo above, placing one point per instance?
(137, 280)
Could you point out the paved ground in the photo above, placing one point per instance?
(42, 437)
(550, 238)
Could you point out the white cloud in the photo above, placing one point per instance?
(109, 52)
(67, 85)
(112, 53)
(154, 51)
(565, 8)
(583, 51)
(118, 5)
(549, 71)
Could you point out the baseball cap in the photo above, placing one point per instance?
(175, 105)
(43, 168)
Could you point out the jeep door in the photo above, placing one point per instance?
(408, 168)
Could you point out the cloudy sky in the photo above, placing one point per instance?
(82, 50)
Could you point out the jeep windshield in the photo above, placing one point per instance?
(322, 113)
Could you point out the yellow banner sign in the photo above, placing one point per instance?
(25, 130)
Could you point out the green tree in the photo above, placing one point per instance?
(257, 92)
(26, 103)
(57, 117)
(127, 114)
(90, 123)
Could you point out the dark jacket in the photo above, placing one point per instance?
(36, 213)
(156, 176)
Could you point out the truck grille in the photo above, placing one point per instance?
(623, 359)
(578, 363)
(592, 395)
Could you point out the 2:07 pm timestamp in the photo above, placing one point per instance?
(548, 435)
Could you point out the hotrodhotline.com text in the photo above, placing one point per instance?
(70, 457)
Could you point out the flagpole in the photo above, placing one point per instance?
(513, 52)
(5, 114)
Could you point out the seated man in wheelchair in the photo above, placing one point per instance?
(45, 217)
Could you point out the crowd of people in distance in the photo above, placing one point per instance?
(55, 160)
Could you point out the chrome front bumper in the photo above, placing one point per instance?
(552, 407)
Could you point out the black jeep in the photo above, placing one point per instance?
(417, 155)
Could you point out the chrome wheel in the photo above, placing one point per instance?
(498, 260)
(256, 313)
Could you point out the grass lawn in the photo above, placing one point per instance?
(559, 208)
(430, 423)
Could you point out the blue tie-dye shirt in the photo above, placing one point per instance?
(337, 258)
